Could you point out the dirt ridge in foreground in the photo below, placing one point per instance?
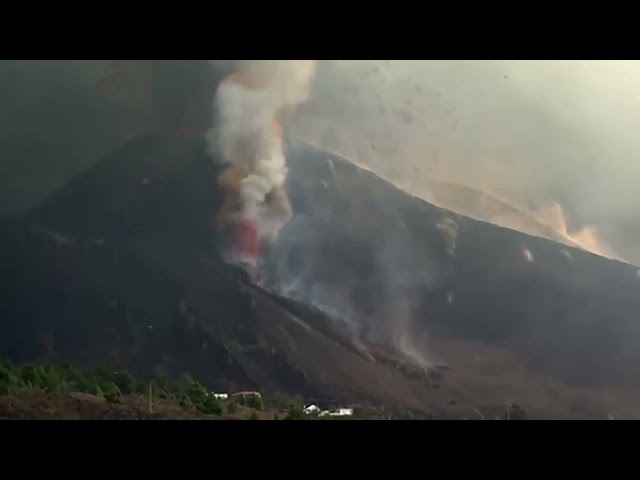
(41, 405)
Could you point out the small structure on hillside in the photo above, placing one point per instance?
(246, 394)
(311, 409)
(342, 412)
(219, 396)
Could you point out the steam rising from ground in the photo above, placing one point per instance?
(530, 135)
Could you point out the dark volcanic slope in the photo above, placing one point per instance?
(570, 313)
(120, 267)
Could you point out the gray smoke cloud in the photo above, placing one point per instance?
(530, 133)
(245, 123)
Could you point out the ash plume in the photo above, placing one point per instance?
(252, 105)
(520, 135)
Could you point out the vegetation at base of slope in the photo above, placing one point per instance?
(23, 383)
(55, 380)
(106, 385)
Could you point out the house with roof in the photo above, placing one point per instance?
(342, 412)
(311, 409)
(246, 394)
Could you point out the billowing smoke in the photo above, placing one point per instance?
(251, 106)
(528, 134)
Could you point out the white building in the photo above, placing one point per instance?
(342, 412)
(220, 396)
(311, 409)
(247, 394)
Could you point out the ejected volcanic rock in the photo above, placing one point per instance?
(365, 299)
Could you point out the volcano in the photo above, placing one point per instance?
(370, 295)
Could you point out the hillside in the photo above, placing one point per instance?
(372, 301)
(52, 391)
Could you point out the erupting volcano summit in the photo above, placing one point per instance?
(251, 106)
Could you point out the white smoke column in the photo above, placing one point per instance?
(248, 135)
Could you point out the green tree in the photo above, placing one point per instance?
(8, 365)
(163, 393)
(210, 406)
(197, 393)
(96, 390)
(187, 404)
(8, 380)
(51, 380)
(232, 407)
(295, 413)
(255, 402)
(76, 380)
(112, 393)
(125, 382)
(30, 375)
(82, 384)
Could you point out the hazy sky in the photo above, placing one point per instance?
(531, 131)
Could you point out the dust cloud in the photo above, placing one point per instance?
(545, 147)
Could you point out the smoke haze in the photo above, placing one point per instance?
(248, 136)
(531, 134)
(550, 143)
